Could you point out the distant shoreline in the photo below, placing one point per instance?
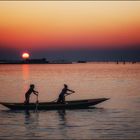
(87, 62)
(62, 61)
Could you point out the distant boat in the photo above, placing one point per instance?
(81, 61)
(75, 104)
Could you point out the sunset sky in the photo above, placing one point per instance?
(68, 25)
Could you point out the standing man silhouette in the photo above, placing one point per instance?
(29, 92)
(61, 98)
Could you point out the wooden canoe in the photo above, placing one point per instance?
(75, 104)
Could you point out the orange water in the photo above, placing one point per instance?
(115, 118)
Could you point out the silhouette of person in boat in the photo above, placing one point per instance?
(29, 92)
(61, 98)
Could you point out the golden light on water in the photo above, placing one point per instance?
(25, 72)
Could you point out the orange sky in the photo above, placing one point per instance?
(29, 24)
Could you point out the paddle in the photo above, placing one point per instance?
(54, 100)
(65, 95)
(36, 103)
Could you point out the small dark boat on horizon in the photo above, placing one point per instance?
(75, 104)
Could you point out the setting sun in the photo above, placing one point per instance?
(25, 55)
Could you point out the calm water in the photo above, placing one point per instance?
(118, 117)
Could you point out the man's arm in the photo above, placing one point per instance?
(35, 92)
(71, 90)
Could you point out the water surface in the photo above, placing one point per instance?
(115, 118)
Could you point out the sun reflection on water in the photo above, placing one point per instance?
(25, 71)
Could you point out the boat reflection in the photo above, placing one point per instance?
(31, 118)
(27, 114)
(62, 118)
(62, 114)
